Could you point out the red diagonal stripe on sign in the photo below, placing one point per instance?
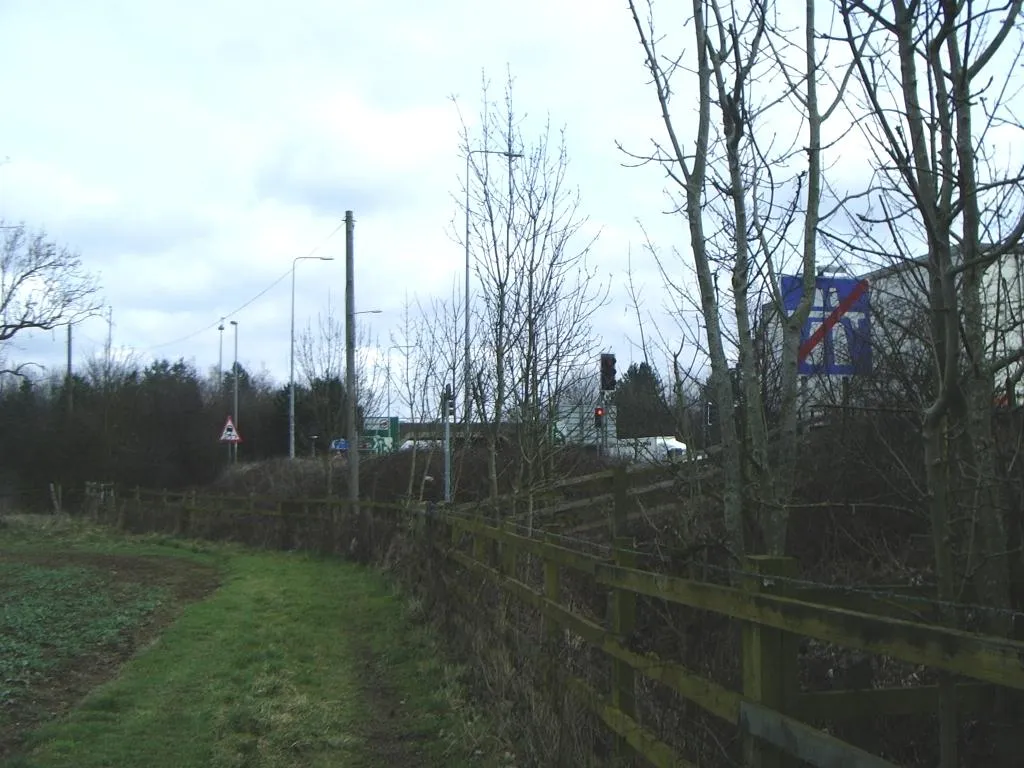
(831, 320)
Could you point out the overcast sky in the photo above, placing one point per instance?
(191, 150)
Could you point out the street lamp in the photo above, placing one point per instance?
(291, 362)
(234, 446)
(469, 153)
(220, 363)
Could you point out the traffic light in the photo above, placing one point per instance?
(607, 372)
(447, 403)
(599, 418)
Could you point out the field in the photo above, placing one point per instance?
(121, 651)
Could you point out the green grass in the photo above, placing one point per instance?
(294, 661)
(53, 615)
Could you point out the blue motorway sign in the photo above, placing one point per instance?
(836, 339)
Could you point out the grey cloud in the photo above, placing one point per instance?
(126, 234)
(316, 183)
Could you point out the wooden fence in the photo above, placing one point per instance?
(779, 723)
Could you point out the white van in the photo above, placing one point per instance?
(650, 449)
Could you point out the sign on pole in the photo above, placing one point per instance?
(836, 339)
(229, 434)
(380, 434)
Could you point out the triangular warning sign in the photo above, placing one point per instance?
(230, 434)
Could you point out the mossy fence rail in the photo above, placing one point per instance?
(774, 717)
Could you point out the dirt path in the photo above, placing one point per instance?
(54, 694)
(389, 739)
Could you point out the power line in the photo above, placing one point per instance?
(255, 298)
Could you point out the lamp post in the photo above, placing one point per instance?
(469, 153)
(291, 358)
(234, 446)
(220, 362)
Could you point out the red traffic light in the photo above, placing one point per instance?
(599, 411)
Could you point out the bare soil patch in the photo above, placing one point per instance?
(389, 738)
(53, 694)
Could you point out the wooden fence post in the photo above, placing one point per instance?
(509, 555)
(122, 510)
(507, 566)
(622, 609)
(769, 661)
(551, 643)
(480, 549)
(622, 606)
(552, 590)
(188, 504)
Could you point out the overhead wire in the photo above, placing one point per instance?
(247, 304)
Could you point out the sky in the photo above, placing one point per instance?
(191, 150)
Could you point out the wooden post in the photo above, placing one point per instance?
(509, 555)
(552, 590)
(480, 549)
(769, 661)
(165, 507)
(622, 607)
(551, 643)
(188, 503)
(622, 621)
(122, 510)
(620, 503)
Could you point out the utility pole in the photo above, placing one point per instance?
(350, 364)
(108, 348)
(466, 410)
(108, 373)
(447, 412)
(68, 381)
(220, 375)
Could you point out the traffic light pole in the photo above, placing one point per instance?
(447, 459)
(604, 425)
(446, 413)
(607, 377)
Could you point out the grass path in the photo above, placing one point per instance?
(294, 661)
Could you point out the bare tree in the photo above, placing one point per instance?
(431, 344)
(753, 205)
(538, 292)
(42, 285)
(936, 79)
(321, 358)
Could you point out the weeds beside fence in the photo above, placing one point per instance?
(673, 667)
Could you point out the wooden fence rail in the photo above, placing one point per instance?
(773, 716)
